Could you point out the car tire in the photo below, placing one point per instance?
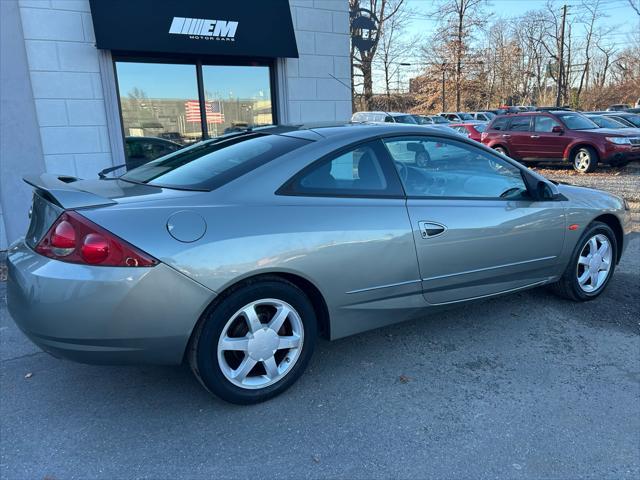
(251, 371)
(585, 160)
(502, 150)
(570, 285)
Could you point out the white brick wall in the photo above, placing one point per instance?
(64, 66)
(66, 83)
(322, 33)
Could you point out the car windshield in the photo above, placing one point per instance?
(489, 115)
(439, 119)
(465, 116)
(421, 120)
(404, 119)
(634, 119)
(604, 122)
(577, 122)
(210, 164)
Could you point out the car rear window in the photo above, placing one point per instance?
(211, 164)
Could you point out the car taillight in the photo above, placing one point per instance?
(75, 239)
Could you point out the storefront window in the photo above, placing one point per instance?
(236, 97)
(160, 109)
(160, 104)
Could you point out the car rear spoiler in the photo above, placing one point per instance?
(59, 189)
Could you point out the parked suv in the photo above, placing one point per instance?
(388, 117)
(456, 116)
(560, 136)
(483, 116)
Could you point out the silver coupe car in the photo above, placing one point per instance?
(236, 253)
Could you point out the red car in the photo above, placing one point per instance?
(473, 130)
(560, 136)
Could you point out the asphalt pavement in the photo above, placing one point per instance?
(527, 386)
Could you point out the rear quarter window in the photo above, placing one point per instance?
(209, 165)
(499, 123)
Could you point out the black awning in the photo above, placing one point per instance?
(250, 28)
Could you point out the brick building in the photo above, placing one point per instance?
(85, 85)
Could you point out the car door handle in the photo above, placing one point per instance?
(504, 135)
(431, 229)
(535, 136)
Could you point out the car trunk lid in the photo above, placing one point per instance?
(54, 194)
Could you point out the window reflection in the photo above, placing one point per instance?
(161, 110)
(237, 97)
(154, 99)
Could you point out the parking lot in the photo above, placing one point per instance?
(522, 386)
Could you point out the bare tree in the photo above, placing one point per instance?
(363, 61)
(394, 46)
(459, 19)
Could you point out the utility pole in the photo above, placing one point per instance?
(561, 57)
(444, 103)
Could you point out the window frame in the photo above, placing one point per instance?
(394, 183)
(489, 152)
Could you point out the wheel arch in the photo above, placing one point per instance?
(571, 149)
(614, 223)
(309, 288)
(501, 145)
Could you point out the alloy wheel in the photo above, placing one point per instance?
(594, 263)
(260, 343)
(582, 161)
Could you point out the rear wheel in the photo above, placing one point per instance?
(591, 266)
(256, 342)
(585, 160)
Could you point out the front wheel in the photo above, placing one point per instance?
(501, 150)
(255, 343)
(591, 266)
(585, 160)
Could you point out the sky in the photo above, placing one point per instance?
(179, 81)
(617, 13)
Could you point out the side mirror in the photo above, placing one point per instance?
(546, 191)
(557, 129)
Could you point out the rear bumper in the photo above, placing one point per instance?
(103, 315)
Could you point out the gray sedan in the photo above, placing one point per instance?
(236, 253)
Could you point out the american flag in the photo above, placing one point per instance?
(213, 110)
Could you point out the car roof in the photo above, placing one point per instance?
(393, 114)
(355, 130)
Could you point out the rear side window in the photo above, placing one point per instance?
(361, 171)
(208, 165)
(500, 123)
(520, 123)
